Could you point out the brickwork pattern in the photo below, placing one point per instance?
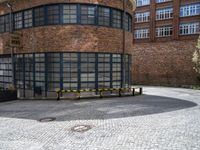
(164, 63)
(68, 38)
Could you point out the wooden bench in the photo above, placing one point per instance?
(100, 91)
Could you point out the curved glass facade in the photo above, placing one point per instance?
(41, 74)
(56, 14)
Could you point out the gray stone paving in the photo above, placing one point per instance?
(162, 119)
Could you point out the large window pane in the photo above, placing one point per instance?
(104, 16)
(28, 22)
(2, 24)
(53, 14)
(70, 14)
(87, 14)
(116, 18)
(18, 20)
(39, 16)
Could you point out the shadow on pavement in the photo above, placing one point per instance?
(92, 109)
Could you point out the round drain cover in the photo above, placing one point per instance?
(47, 119)
(81, 128)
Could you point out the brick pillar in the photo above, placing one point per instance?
(176, 10)
(152, 20)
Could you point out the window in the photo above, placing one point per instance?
(190, 10)
(5, 72)
(53, 70)
(28, 18)
(87, 71)
(40, 71)
(56, 14)
(161, 1)
(116, 18)
(141, 33)
(39, 16)
(104, 16)
(104, 70)
(19, 66)
(69, 14)
(165, 13)
(70, 71)
(164, 31)
(7, 23)
(1, 24)
(128, 22)
(18, 20)
(53, 14)
(189, 28)
(87, 14)
(116, 70)
(142, 2)
(29, 67)
(142, 17)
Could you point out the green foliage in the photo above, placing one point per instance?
(196, 59)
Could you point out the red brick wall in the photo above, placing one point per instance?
(69, 38)
(164, 63)
(84, 38)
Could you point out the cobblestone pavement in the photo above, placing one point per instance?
(162, 119)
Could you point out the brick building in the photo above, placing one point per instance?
(62, 44)
(165, 36)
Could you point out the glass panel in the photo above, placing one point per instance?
(53, 14)
(39, 16)
(69, 14)
(28, 18)
(87, 14)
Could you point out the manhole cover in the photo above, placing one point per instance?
(81, 128)
(47, 119)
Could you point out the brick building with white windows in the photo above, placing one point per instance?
(165, 37)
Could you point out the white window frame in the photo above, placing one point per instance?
(142, 2)
(141, 33)
(164, 31)
(162, 1)
(142, 16)
(190, 10)
(164, 13)
(189, 28)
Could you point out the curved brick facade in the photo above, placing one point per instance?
(54, 54)
(68, 38)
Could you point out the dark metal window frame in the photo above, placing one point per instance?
(27, 82)
(41, 18)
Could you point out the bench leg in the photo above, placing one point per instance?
(120, 94)
(141, 91)
(133, 92)
(78, 95)
(101, 95)
(58, 96)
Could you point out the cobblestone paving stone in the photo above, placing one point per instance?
(162, 119)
